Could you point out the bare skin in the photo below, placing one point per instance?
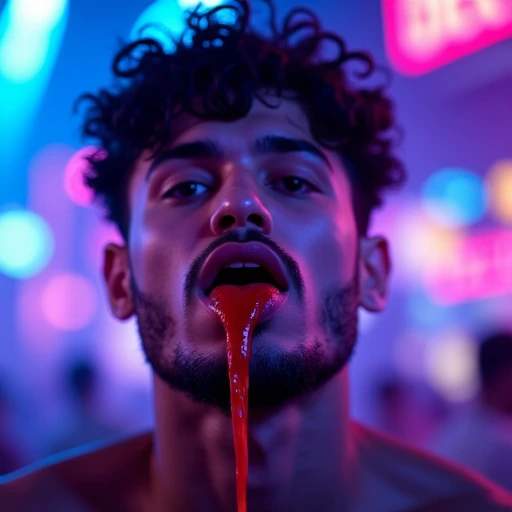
(304, 454)
(391, 477)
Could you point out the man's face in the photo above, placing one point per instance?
(262, 179)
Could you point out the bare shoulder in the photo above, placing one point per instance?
(416, 480)
(100, 476)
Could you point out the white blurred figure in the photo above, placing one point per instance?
(480, 437)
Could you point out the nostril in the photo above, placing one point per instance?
(227, 221)
(256, 220)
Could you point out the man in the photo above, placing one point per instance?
(489, 419)
(236, 142)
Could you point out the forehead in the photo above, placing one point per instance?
(284, 117)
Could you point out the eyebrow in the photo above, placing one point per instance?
(280, 144)
(269, 144)
(187, 151)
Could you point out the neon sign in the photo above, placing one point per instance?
(422, 35)
(479, 267)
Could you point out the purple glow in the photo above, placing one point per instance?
(69, 302)
(479, 267)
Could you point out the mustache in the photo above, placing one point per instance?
(243, 236)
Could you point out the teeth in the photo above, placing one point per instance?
(235, 265)
(240, 265)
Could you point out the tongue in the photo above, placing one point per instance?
(239, 308)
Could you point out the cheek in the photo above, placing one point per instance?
(330, 261)
(156, 258)
(329, 250)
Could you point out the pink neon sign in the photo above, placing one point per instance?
(480, 267)
(422, 35)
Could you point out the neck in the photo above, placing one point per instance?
(300, 455)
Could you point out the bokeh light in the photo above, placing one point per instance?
(36, 337)
(451, 365)
(164, 14)
(422, 35)
(23, 55)
(454, 197)
(27, 41)
(166, 17)
(479, 267)
(69, 302)
(74, 177)
(187, 4)
(499, 189)
(38, 13)
(26, 243)
(419, 243)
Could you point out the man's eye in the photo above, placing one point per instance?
(295, 185)
(185, 189)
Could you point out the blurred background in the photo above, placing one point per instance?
(70, 374)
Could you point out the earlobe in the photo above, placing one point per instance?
(375, 269)
(116, 272)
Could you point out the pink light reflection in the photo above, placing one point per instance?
(69, 302)
(39, 338)
(74, 176)
(480, 267)
(422, 35)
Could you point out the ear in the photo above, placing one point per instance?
(116, 272)
(374, 272)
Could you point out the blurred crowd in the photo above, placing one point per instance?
(85, 421)
(476, 434)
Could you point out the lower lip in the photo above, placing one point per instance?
(269, 311)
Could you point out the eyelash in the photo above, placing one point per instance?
(168, 193)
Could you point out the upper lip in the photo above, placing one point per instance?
(247, 252)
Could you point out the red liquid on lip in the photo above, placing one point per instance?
(239, 308)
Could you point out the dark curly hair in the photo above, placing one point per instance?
(215, 71)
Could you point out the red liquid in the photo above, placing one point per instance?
(239, 308)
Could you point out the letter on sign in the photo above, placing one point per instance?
(422, 35)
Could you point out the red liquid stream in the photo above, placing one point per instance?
(239, 308)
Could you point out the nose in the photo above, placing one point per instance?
(239, 207)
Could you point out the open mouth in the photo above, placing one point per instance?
(242, 264)
(241, 274)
